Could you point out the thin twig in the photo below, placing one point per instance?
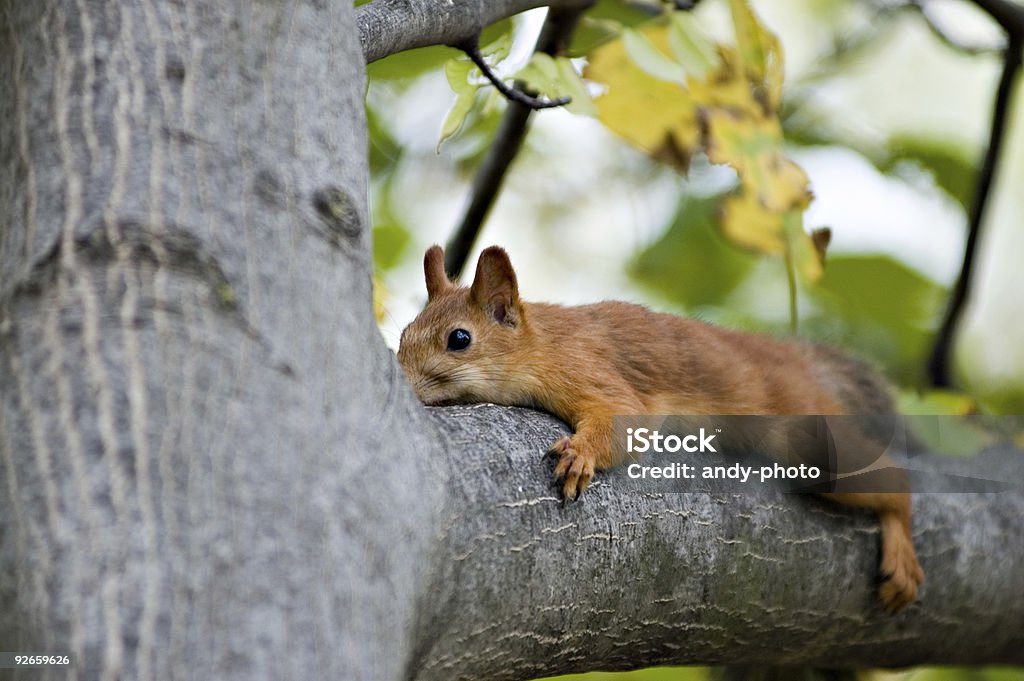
(513, 94)
(939, 362)
(554, 37)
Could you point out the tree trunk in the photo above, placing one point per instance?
(213, 468)
(207, 451)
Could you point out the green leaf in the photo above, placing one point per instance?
(948, 163)
(649, 58)
(389, 243)
(692, 264)
(540, 73)
(385, 151)
(556, 77)
(496, 30)
(390, 235)
(499, 48)
(457, 71)
(947, 402)
(571, 84)
(882, 308)
(411, 63)
(603, 22)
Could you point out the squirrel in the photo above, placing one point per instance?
(588, 363)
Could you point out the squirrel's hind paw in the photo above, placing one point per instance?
(902, 576)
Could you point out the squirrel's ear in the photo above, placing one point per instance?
(433, 271)
(494, 287)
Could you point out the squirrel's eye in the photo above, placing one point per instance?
(459, 339)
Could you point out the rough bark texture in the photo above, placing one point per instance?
(526, 588)
(390, 26)
(211, 467)
(200, 474)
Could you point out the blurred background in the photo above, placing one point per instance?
(888, 119)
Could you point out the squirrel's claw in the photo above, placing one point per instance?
(574, 468)
(559, 448)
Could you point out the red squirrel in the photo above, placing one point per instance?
(588, 363)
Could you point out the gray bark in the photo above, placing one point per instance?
(204, 443)
(211, 467)
(526, 588)
(390, 26)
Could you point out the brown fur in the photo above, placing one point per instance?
(588, 363)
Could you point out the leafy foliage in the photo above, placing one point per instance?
(604, 22)
(946, 162)
(557, 78)
(882, 307)
(692, 264)
(683, 99)
(655, 115)
(724, 100)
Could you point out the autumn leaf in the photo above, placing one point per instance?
(655, 115)
(748, 224)
(737, 108)
(671, 91)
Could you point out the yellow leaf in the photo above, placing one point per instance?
(726, 86)
(727, 102)
(741, 130)
(752, 144)
(746, 222)
(652, 114)
(785, 183)
(760, 53)
(749, 224)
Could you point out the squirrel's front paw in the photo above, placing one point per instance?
(574, 466)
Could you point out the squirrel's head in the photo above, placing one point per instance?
(464, 343)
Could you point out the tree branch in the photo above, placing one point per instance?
(390, 26)
(522, 588)
(939, 362)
